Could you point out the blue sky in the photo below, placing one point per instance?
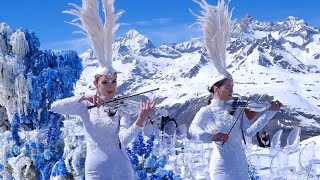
(163, 21)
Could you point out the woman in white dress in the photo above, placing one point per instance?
(104, 131)
(107, 131)
(213, 122)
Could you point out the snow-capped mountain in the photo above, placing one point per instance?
(132, 42)
(293, 37)
(279, 59)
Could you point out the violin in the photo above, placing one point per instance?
(253, 104)
(250, 103)
(119, 101)
(128, 105)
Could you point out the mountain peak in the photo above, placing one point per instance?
(247, 17)
(292, 18)
(132, 33)
(248, 25)
(189, 46)
(133, 41)
(294, 21)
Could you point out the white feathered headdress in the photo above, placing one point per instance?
(100, 34)
(216, 25)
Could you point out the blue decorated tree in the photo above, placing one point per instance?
(30, 80)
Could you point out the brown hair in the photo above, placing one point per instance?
(217, 84)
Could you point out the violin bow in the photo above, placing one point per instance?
(124, 97)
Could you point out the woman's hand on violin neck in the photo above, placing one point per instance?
(94, 99)
(220, 137)
(275, 106)
(145, 109)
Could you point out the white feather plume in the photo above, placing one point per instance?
(100, 34)
(216, 25)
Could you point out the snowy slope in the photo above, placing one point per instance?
(280, 59)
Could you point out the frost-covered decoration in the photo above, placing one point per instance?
(6, 172)
(252, 173)
(5, 33)
(22, 91)
(30, 80)
(69, 145)
(31, 151)
(59, 171)
(4, 121)
(19, 43)
(6, 152)
(74, 149)
(78, 160)
(145, 163)
(13, 83)
(23, 167)
(6, 147)
(14, 88)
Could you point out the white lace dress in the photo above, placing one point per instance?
(228, 161)
(104, 160)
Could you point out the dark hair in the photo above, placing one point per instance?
(217, 84)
